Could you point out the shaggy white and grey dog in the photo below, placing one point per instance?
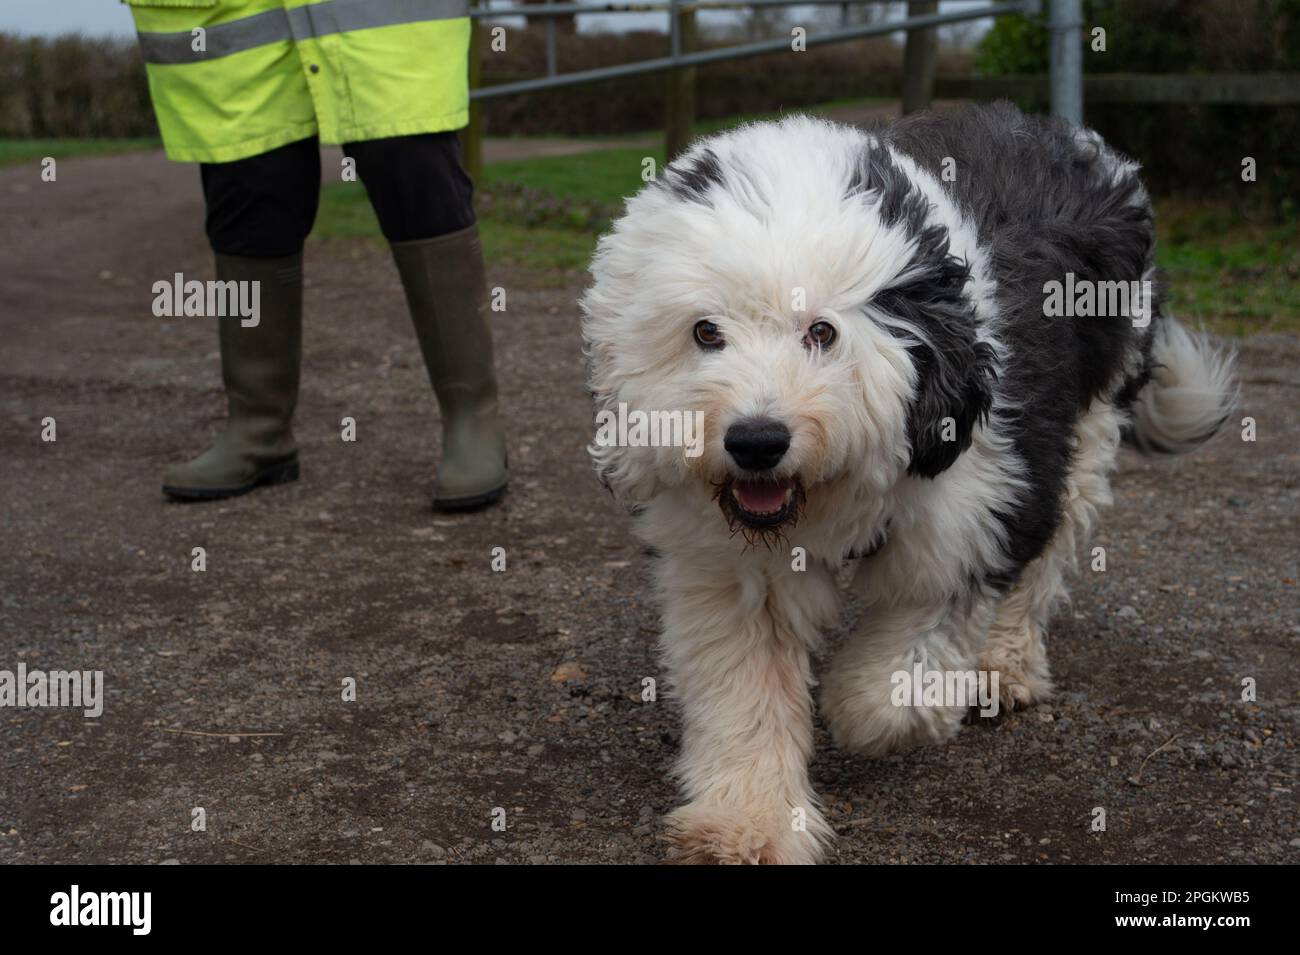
(866, 321)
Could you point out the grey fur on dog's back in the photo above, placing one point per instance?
(1047, 199)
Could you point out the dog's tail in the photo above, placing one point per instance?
(1189, 394)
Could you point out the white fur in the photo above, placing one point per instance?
(1192, 392)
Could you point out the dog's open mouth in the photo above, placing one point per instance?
(761, 505)
(760, 502)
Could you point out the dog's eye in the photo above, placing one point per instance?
(821, 334)
(707, 334)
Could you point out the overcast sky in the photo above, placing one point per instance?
(53, 17)
(112, 18)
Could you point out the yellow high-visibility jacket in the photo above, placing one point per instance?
(234, 78)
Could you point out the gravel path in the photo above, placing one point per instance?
(520, 690)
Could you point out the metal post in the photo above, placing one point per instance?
(919, 59)
(1065, 24)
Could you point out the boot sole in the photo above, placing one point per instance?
(280, 474)
(472, 503)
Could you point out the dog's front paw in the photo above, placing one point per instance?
(701, 834)
(864, 718)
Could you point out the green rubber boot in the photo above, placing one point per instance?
(447, 294)
(259, 366)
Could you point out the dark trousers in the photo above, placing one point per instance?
(264, 206)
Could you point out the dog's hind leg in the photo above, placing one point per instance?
(1016, 648)
(737, 647)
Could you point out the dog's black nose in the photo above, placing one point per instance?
(757, 445)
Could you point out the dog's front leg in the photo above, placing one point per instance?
(737, 648)
(861, 699)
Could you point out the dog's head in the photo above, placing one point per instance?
(796, 283)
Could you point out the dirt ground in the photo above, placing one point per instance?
(521, 690)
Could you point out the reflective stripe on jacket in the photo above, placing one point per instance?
(234, 78)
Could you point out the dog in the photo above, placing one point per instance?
(909, 347)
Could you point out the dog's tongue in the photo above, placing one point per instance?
(760, 498)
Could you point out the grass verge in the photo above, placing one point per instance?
(1230, 271)
(15, 151)
(550, 255)
(1233, 272)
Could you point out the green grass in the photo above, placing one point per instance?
(553, 254)
(1235, 273)
(602, 175)
(14, 151)
(609, 175)
(542, 249)
(345, 214)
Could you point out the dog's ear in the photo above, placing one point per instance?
(954, 370)
(629, 477)
(953, 393)
(610, 460)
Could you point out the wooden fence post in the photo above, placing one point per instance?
(919, 58)
(679, 123)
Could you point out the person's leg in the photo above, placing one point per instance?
(259, 212)
(424, 201)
